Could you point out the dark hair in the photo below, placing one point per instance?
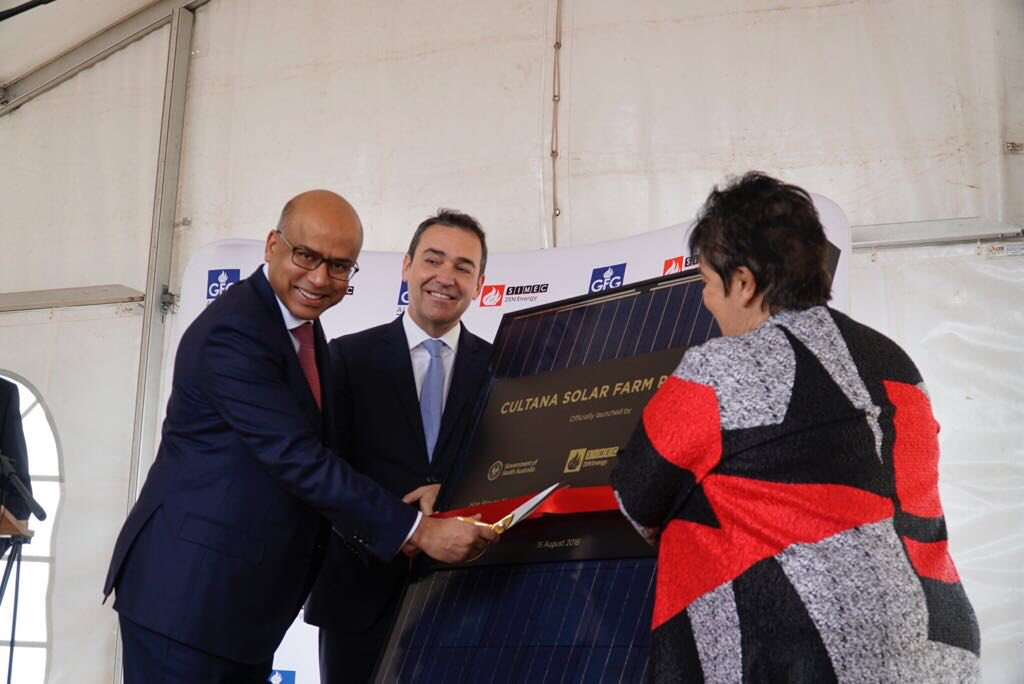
(773, 229)
(454, 219)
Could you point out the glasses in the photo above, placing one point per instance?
(310, 261)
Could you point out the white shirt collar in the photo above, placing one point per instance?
(415, 334)
(290, 321)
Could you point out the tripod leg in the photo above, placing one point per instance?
(14, 559)
(7, 571)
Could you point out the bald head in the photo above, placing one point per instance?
(323, 202)
(317, 224)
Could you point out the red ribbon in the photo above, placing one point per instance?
(563, 502)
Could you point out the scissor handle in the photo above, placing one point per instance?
(498, 527)
(478, 523)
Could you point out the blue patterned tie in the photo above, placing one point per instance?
(432, 394)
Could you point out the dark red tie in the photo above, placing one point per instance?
(307, 358)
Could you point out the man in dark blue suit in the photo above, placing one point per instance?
(226, 538)
(381, 378)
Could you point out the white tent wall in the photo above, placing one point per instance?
(896, 109)
(79, 169)
(1009, 37)
(399, 106)
(959, 316)
(893, 109)
(83, 361)
(887, 107)
(76, 189)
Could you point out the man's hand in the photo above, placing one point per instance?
(425, 495)
(449, 540)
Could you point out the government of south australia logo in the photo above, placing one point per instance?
(494, 472)
(219, 280)
(282, 677)
(607, 277)
(403, 294)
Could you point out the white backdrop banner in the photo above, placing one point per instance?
(514, 280)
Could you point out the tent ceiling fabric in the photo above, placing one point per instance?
(40, 35)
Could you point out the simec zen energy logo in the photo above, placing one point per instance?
(607, 277)
(679, 264)
(492, 295)
(282, 677)
(219, 280)
(589, 458)
(496, 295)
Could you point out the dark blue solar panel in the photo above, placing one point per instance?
(551, 622)
(579, 621)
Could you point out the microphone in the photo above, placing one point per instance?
(7, 471)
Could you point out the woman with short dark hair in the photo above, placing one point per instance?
(788, 474)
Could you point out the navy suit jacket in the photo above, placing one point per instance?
(380, 431)
(227, 535)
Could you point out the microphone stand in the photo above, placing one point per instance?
(8, 473)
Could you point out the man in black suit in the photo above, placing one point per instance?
(218, 553)
(388, 430)
(12, 445)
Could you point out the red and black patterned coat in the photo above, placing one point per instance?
(790, 479)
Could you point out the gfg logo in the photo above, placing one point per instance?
(403, 294)
(492, 295)
(219, 280)
(607, 277)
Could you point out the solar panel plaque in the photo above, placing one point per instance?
(579, 612)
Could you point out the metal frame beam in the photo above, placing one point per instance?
(161, 242)
(68, 296)
(932, 233)
(142, 23)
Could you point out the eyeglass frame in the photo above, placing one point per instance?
(352, 269)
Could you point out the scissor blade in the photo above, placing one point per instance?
(524, 510)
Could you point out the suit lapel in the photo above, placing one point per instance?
(394, 357)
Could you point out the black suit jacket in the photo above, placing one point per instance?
(12, 445)
(380, 431)
(227, 535)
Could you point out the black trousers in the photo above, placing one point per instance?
(347, 658)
